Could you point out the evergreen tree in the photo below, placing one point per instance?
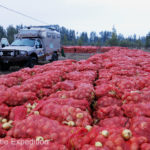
(2, 32)
(11, 31)
(147, 42)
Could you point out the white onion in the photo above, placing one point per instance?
(39, 138)
(71, 123)
(6, 126)
(98, 144)
(36, 112)
(79, 115)
(126, 134)
(105, 133)
(4, 120)
(88, 127)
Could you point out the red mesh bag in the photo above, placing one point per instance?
(43, 92)
(4, 110)
(104, 73)
(90, 138)
(2, 132)
(30, 144)
(92, 147)
(115, 122)
(18, 113)
(64, 113)
(113, 140)
(67, 85)
(82, 104)
(140, 126)
(9, 82)
(106, 101)
(3, 87)
(43, 80)
(13, 98)
(20, 75)
(85, 91)
(48, 129)
(140, 109)
(145, 146)
(105, 89)
(136, 96)
(86, 66)
(102, 81)
(88, 75)
(108, 112)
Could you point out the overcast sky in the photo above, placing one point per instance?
(128, 16)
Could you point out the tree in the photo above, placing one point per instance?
(114, 40)
(11, 31)
(147, 42)
(2, 32)
(105, 36)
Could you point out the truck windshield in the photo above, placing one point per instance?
(23, 42)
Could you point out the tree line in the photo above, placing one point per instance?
(71, 37)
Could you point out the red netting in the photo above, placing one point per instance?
(64, 113)
(46, 128)
(18, 113)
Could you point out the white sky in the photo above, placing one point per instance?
(128, 16)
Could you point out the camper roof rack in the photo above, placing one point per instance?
(47, 27)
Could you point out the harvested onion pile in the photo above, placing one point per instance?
(102, 103)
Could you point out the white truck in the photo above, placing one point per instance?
(4, 42)
(31, 45)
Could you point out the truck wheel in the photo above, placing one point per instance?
(5, 66)
(32, 61)
(55, 56)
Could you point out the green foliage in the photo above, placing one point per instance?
(70, 37)
(11, 31)
(2, 32)
(147, 43)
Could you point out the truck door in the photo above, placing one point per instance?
(39, 48)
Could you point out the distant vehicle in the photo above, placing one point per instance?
(4, 42)
(31, 45)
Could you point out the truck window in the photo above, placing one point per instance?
(24, 42)
(53, 36)
(38, 43)
(49, 35)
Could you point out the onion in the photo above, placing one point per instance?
(29, 105)
(79, 115)
(88, 127)
(6, 126)
(63, 96)
(98, 144)
(39, 138)
(126, 134)
(71, 123)
(34, 105)
(36, 112)
(10, 121)
(4, 120)
(105, 133)
(28, 110)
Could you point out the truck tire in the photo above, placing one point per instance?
(5, 66)
(55, 56)
(32, 61)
